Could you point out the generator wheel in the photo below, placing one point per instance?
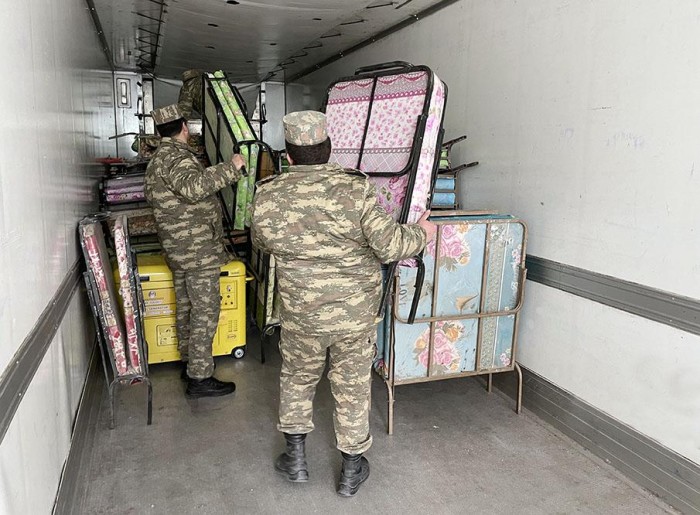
(238, 352)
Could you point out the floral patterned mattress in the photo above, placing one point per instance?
(127, 188)
(373, 123)
(127, 290)
(141, 221)
(479, 267)
(97, 262)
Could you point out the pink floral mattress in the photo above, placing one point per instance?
(132, 196)
(127, 188)
(118, 184)
(97, 261)
(127, 292)
(382, 145)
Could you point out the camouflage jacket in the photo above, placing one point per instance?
(187, 211)
(328, 236)
(190, 98)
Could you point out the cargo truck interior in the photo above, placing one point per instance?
(584, 118)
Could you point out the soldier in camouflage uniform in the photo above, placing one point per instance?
(190, 98)
(328, 235)
(188, 218)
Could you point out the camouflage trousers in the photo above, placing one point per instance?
(198, 303)
(350, 367)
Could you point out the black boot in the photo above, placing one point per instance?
(355, 472)
(209, 387)
(292, 462)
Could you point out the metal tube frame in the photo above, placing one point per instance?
(113, 379)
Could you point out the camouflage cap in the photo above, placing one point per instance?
(191, 74)
(305, 128)
(166, 114)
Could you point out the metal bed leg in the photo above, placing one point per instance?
(489, 383)
(262, 345)
(267, 331)
(111, 403)
(519, 400)
(149, 386)
(390, 413)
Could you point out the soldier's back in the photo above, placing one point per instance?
(311, 220)
(312, 211)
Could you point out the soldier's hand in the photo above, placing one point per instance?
(238, 161)
(429, 227)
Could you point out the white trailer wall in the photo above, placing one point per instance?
(58, 112)
(585, 117)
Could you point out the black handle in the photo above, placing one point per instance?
(460, 168)
(387, 287)
(420, 279)
(448, 144)
(249, 143)
(382, 66)
(436, 169)
(237, 150)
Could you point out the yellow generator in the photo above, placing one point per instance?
(159, 317)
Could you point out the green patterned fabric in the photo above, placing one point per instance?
(242, 131)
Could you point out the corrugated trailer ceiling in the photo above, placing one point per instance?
(253, 40)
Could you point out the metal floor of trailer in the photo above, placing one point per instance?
(456, 449)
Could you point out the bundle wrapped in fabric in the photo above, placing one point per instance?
(124, 188)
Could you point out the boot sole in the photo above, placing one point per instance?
(294, 478)
(353, 491)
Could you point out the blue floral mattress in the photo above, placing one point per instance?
(478, 271)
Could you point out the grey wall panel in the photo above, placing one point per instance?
(58, 113)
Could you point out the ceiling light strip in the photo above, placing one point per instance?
(387, 4)
(353, 22)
